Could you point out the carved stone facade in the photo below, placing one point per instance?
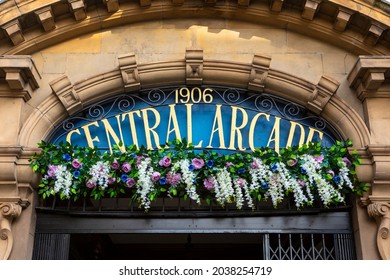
(57, 57)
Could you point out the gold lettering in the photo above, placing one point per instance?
(110, 132)
(151, 130)
(252, 129)
(189, 125)
(235, 130)
(292, 132)
(132, 125)
(88, 134)
(69, 135)
(276, 133)
(311, 134)
(217, 120)
(173, 119)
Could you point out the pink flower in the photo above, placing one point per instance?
(156, 176)
(292, 162)
(319, 159)
(130, 182)
(173, 179)
(301, 183)
(241, 182)
(76, 164)
(254, 165)
(209, 183)
(331, 172)
(198, 163)
(229, 163)
(347, 161)
(166, 162)
(126, 167)
(90, 184)
(111, 180)
(139, 159)
(115, 165)
(52, 171)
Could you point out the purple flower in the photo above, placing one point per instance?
(173, 179)
(76, 164)
(52, 171)
(331, 172)
(229, 163)
(319, 158)
(115, 165)
(139, 159)
(166, 162)
(67, 157)
(198, 163)
(126, 167)
(292, 162)
(301, 183)
(347, 161)
(90, 184)
(130, 182)
(155, 176)
(111, 180)
(209, 183)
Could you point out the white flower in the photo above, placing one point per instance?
(189, 178)
(238, 185)
(223, 187)
(100, 173)
(63, 181)
(145, 183)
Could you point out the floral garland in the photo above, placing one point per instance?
(307, 173)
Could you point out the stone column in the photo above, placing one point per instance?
(370, 77)
(18, 80)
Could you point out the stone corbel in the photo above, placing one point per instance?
(46, 18)
(194, 67)
(259, 72)
(342, 19)
(310, 9)
(78, 8)
(380, 211)
(63, 88)
(325, 89)
(243, 3)
(8, 211)
(21, 75)
(112, 5)
(374, 32)
(129, 70)
(276, 5)
(14, 32)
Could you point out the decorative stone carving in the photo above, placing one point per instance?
(259, 72)
(325, 89)
(194, 67)
(66, 93)
(145, 3)
(14, 32)
(8, 211)
(243, 3)
(46, 18)
(381, 212)
(310, 9)
(129, 70)
(21, 75)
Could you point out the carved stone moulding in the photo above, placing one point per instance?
(8, 211)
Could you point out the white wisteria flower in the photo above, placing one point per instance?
(145, 184)
(100, 173)
(63, 180)
(189, 178)
(223, 187)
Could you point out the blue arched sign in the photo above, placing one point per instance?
(209, 117)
